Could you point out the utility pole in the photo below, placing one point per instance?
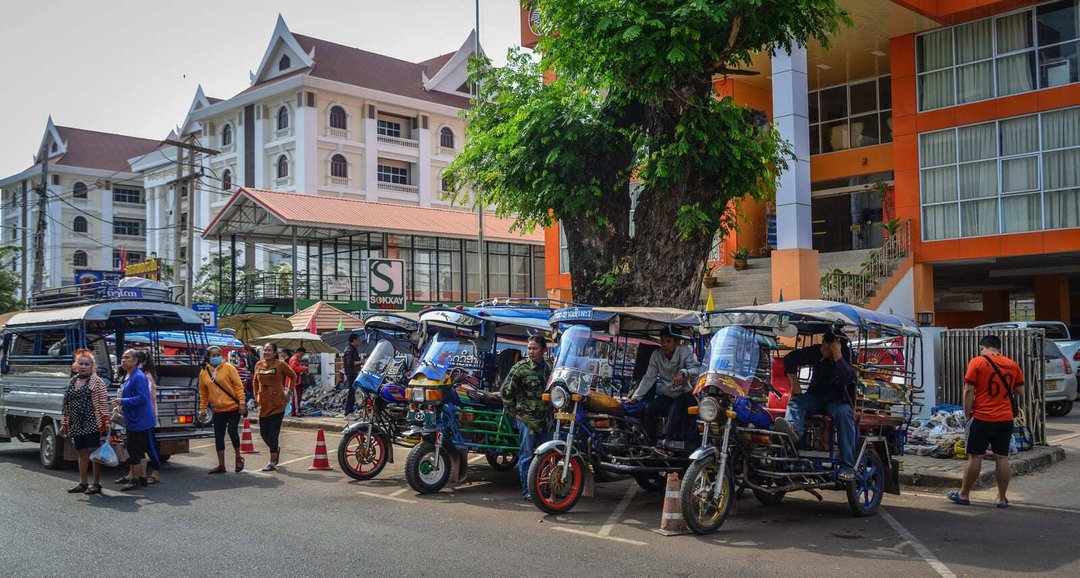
(185, 276)
(38, 279)
(189, 261)
(479, 206)
(178, 206)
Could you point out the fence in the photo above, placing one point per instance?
(858, 288)
(1024, 346)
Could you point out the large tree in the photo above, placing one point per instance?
(629, 97)
(9, 283)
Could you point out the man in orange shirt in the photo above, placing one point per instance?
(991, 381)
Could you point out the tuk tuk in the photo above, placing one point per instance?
(745, 387)
(367, 444)
(603, 353)
(454, 403)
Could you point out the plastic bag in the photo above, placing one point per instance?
(105, 455)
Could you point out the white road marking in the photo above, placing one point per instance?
(390, 497)
(261, 473)
(590, 534)
(923, 551)
(1060, 439)
(619, 511)
(398, 493)
(941, 497)
(210, 445)
(470, 485)
(476, 458)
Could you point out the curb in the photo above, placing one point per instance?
(329, 424)
(1019, 465)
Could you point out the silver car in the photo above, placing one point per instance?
(1060, 390)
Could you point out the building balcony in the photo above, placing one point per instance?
(447, 151)
(283, 133)
(396, 188)
(341, 133)
(338, 181)
(397, 141)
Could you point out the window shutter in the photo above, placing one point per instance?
(371, 111)
(311, 99)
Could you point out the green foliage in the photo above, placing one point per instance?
(740, 253)
(10, 283)
(212, 278)
(891, 226)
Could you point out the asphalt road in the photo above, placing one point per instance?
(322, 524)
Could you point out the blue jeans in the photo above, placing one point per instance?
(529, 441)
(843, 418)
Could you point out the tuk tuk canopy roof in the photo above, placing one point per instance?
(630, 319)
(806, 313)
(403, 321)
(158, 316)
(525, 319)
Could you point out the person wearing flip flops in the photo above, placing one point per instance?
(220, 387)
(991, 383)
(86, 417)
(139, 419)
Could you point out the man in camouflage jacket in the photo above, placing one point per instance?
(521, 394)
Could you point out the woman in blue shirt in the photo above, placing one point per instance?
(139, 418)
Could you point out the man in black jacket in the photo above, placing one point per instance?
(352, 369)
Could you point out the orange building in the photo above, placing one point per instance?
(960, 118)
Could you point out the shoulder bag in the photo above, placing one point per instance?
(223, 390)
(1022, 436)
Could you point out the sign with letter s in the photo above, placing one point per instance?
(386, 284)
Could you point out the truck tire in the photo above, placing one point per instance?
(51, 448)
(1059, 408)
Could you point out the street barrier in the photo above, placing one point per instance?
(671, 521)
(246, 445)
(321, 461)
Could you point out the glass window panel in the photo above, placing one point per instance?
(539, 289)
(936, 90)
(813, 101)
(516, 249)
(886, 126)
(1016, 74)
(978, 180)
(498, 248)
(934, 51)
(975, 82)
(472, 272)
(1061, 170)
(864, 131)
(1061, 129)
(1019, 175)
(1057, 22)
(450, 244)
(937, 148)
(977, 142)
(978, 218)
(498, 275)
(834, 103)
(564, 252)
(940, 222)
(519, 276)
(1019, 135)
(424, 242)
(1063, 209)
(1014, 32)
(815, 139)
(1022, 213)
(885, 92)
(863, 97)
(1058, 65)
(939, 185)
(974, 41)
(834, 136)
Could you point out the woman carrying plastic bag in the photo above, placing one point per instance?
(86, 418)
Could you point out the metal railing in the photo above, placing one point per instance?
(857, 288)
(401, 142)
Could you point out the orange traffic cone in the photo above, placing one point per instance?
(321, 462)
(246, 447)
(671, 521)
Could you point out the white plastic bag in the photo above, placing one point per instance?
(105, 455)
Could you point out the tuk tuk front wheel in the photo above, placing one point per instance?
(865, 492)
(423, 473)
(703, 510)
(550, 492)
(501, 461)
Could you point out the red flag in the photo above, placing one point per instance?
(311, 326)
(123, 260)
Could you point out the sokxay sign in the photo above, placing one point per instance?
(386, 284)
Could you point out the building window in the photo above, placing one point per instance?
(564, 251)
(226, 180)
(79, 225)
(132, 257)
(126, 195)
(390, 128)
(183, 221)
(78, 191)
(985, 179)
(851, 115)
(395, 175)
(446, 138)
(284, 63)
(999, 56)
(283, 118)
(226, 135)
(444, 184)
(283, 167)
(338, 118)
(79, 258)
(127, 228)
(339, 167)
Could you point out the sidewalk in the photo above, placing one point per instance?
(927, 473)
(329, 424)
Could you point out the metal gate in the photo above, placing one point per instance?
(1024, 346)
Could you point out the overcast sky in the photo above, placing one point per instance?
(132, 66)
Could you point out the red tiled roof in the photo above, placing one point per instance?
(434, 65)
(101, 150)
(370, 70)
(332, 212)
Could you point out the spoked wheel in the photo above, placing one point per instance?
(703, 509)
(361, 457)
(549, 490)
(424, 472)
(502, 461)
(865, 492)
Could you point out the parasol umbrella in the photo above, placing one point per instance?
(249, 326)
(339, 339)
(294, 339)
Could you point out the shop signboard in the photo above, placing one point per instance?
(386, 283)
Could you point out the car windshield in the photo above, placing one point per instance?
(1053, 330)
(444, 353)
(379, 358)
(584, 362)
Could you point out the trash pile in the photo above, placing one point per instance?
(940, 436)
(324, 402)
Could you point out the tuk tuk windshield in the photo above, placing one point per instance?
(733, 361)
(379, 359)
(445, 353)
(583, 363)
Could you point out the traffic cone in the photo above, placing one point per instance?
(671, 521)
(246, 447)
(321, 462)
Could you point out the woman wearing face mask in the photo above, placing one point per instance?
(86, 417)
(270, 380)
(221, 387)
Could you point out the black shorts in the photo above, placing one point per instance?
(992, 434)
(86, 441)
(137, 444)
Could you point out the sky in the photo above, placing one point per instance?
(132, 66)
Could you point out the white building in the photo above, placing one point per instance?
(95, 207)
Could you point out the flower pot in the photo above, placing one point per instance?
(711, 282)
(739, 264)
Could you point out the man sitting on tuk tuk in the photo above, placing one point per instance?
(831, 392)
(674, 367)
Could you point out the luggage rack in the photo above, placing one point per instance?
(540, 302)
(98, 292)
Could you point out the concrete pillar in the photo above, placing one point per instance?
(995, 306)
(371, 159)
(309, 168)
(423, 167)
(795, 263)
(260, 181)
(1052, 298)
(923, 286)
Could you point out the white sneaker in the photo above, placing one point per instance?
(270, 467)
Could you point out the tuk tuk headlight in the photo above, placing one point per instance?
(708, 410)
(559, 397)
(416, 394)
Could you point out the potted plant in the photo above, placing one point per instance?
(710, 279)
(738, 258)
(891, 226)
